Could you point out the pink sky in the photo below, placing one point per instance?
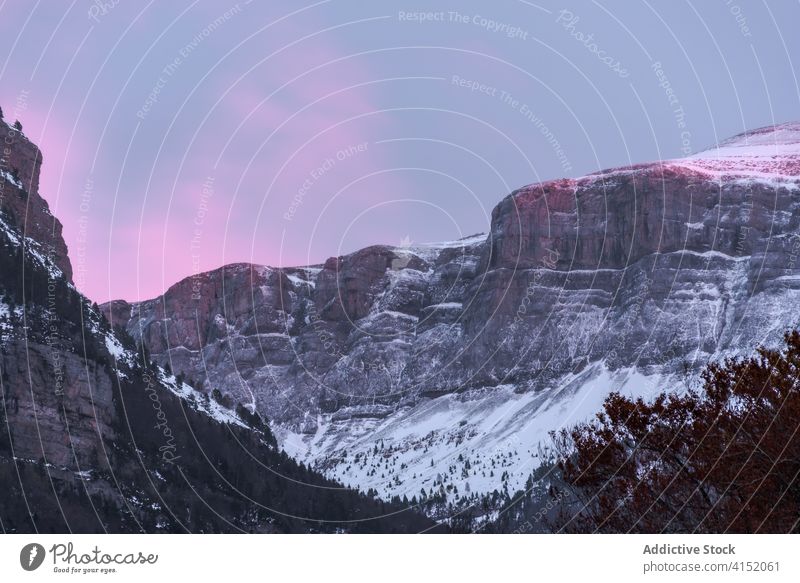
(253, 99)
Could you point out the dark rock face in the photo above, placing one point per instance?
(654, 267)
(59, 416)
(20, 162)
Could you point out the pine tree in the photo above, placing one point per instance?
(723, 459)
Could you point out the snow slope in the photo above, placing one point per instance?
(469, 442)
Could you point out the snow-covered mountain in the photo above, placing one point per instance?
(96, 438)
(443, 367)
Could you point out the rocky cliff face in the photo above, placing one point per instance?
(43, 428)
(628, 279)
(20, 163)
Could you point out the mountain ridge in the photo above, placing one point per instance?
(792, 128)
(625, 279)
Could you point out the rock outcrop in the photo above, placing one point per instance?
(20, 163)
(65, 421)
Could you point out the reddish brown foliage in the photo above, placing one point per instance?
(725, 459)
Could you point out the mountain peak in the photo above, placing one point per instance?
(783, 134)
(20, 162)
(770, 154)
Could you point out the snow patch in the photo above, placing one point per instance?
(198, 400)
(6, 176)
